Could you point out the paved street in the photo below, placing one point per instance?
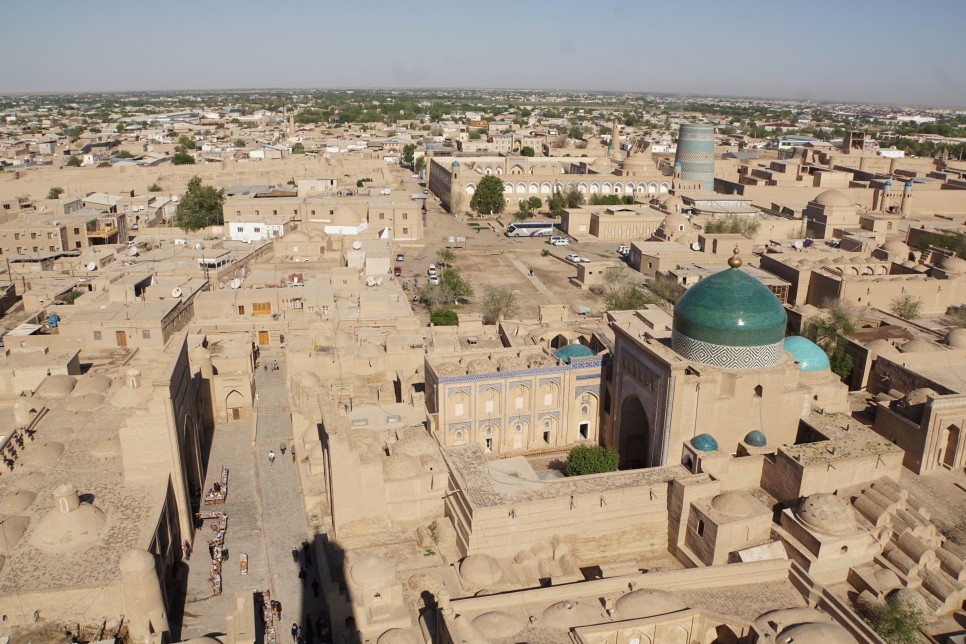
(266, 517)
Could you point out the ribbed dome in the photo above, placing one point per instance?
(755, 438)
(832, 198)
(730, 320)
(828, 514)
(704, 443)
(807, 354)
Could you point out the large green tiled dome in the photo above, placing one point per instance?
(730, 320)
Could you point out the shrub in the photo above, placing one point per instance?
(897, 621)
(444, 317)
(906, 307)
(591, 459)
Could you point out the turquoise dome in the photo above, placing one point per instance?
(704, 443)
(730, 320)
(575, 350)
(755, 438)
(807, 354)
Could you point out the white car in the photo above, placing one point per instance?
(576, 259)
(431, 271)
(623, 249)
(559, 241)
(434, 279)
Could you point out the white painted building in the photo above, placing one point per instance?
(252, 229)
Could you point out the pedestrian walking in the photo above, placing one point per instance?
(282, 446)
(295, 632)
(271, 457)
(315, 587)
(293, 452)
(531, 272)
(307, 552)
(277, 609)
(302, 575)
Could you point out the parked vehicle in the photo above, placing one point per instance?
(576, 259)
(623, 249)
(400, 257)
(559, 241)
(431, 271)
(397, 271)
(530, 229)
(434, 279)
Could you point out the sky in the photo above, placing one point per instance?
(872, 51)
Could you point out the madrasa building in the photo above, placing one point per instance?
(717, 377)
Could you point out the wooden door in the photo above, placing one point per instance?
(263, 338)
(235, 413)
(121, 338)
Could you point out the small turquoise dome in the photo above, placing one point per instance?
(704, 443)
(455, 165)
(570, 351)
(807, 354)
(755, 438)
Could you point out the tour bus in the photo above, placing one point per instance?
(530, 229)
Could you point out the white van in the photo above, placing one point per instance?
(559, 241)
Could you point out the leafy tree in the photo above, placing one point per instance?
(556, 203)
(454, 284)
(73, 162)
(488, 198)
(475, 135)
(897, 621)
(124, 154)
(200, 207)
(906, 307)
(445, 256)
(522, 215)
(155, 187)
(420, 164)
(591, 459)
(667, 289)
(576, 133)
(187, 142)
(444, 317)
(181, 157)
(527, 151)
(409, 150)
(298, 148)
(733, 225)
(574, 197)
(55, 192)
(240, 143)
(829, 332)
(497, 304)
(534, 203)
(120, 128)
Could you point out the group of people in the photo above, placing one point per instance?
(310, 631)
(282, 446)
(274, 366)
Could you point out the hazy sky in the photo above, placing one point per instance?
(860, 50)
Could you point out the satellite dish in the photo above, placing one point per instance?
(356, 245)
(695, 246)
(799, 245)
(176, 292)
(133, 252)
(92, 266)
(236, 283)
(199, 246)
(221, 285)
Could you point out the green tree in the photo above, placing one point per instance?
(445, 256)
(574, 197)
(897, 621)
(239, 143)
(534, 203)
(200, 207)
(124, 154)
(591, 459)
(733, 225)
(556, 203)
(906, 307)
(298, 148)
(488, 198)
(187, 142)
(409, 150)
(420, 164)
(120, 128)
(475, 135)
(957, 317)
(576, 133)
(453, 284)
(527, 151)
(73, 162)
(155, 187)
(497, 304)
(829, 331)
(181, 157)
(55, 192)
(444, 317)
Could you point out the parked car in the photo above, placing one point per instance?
(400, 257)
(434, 279)
(576, 259)
(397, 271)
(431, 271)
(559, 241)
(623, 249)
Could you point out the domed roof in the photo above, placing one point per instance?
(920, 396)
(401, 466)
(56, 386)
(481, 570)
(816, 633)
(886, 578)
(755, 438)
(397, 636)
(65, 531)
(737, 504)
(954, 265)
(92, 383)
(704, 443)
(828, 514)
(13, 531)
(726, 311)
(895, 246)
(308, 379)
(910, 596)
(46, 454)
(568, 614)
(575, 350)
(832, 198)
(15, 500)
(807, 354)
(454, 164)
(917, 345)
(647, 602)
(297, 235)
(956, 339)
(497, 625)
(373, 572)
(881, 346)
(86, 402)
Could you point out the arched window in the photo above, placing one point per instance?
(758, 391)
(700, 527)
(584, 409)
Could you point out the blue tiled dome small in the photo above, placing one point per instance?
(755, 438)
(704, 443)
(455, 165)
(808, 355)
(575, 350)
